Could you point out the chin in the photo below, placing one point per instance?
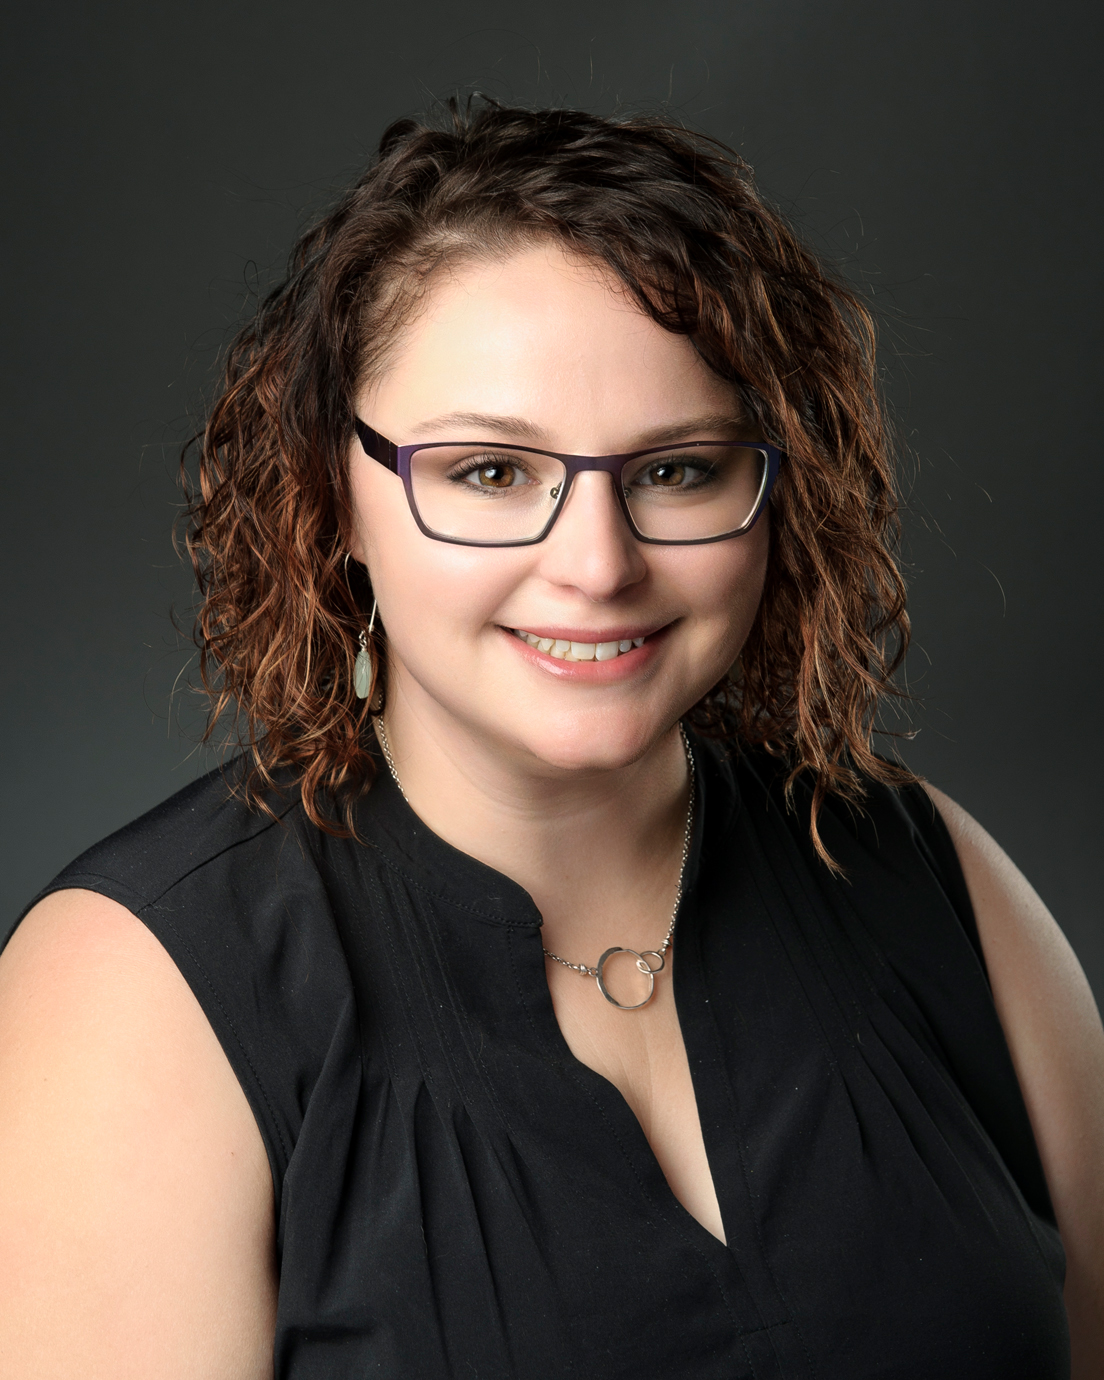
(601, 742)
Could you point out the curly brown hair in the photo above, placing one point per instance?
(677, 218)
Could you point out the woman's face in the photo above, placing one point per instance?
(545, 350)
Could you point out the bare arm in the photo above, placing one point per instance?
(136, 1218)
(1056, 1040)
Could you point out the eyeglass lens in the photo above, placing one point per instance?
(490, 493)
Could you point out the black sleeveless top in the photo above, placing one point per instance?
(458, 1196)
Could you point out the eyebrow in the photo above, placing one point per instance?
(712, 425)
(480, 421)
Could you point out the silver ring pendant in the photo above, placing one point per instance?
(642, 965)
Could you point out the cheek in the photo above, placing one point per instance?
(723, 584)
(427, 586)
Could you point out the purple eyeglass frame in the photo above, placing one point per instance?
(397, 460)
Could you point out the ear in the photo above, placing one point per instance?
(356, 576)
(355, 546)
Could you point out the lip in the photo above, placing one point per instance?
(623, 632)
(622, 667)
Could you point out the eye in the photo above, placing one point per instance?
(494, 473)
(495, 476)
(672, 474)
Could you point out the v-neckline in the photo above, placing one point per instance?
(631, 1131)
(611, 1094)
(464, 882)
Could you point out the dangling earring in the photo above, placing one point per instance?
(362, 670)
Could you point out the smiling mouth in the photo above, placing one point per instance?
(578, 651)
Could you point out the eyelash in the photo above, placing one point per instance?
(476, 464)
(704, 472)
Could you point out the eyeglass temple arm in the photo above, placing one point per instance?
(377, 446)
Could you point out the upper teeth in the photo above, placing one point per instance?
(579, 651)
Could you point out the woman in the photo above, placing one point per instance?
(559, 984)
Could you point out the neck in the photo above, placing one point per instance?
(598, 850)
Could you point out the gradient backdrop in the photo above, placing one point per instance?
(160, 158)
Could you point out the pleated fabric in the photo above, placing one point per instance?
(458, 1196)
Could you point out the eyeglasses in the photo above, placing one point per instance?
(483, 493)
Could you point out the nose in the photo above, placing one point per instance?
(591, 547)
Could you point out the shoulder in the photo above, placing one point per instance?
(903, 901)
(1039, 988)
(91, 1001)
(142, 862)
(239, 901)
(892, 844)
(133, 1181)
(1056, 1042)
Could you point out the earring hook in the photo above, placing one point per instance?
(375, 604)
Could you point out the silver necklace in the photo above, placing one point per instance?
(641, 956)
(388, 758)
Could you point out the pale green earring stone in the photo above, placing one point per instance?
(362, 675)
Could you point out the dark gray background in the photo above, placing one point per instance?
(161, 158)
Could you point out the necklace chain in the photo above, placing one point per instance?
(584, 968)
(687, 834)
(388, 758)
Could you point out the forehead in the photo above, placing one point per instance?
(546, 336)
